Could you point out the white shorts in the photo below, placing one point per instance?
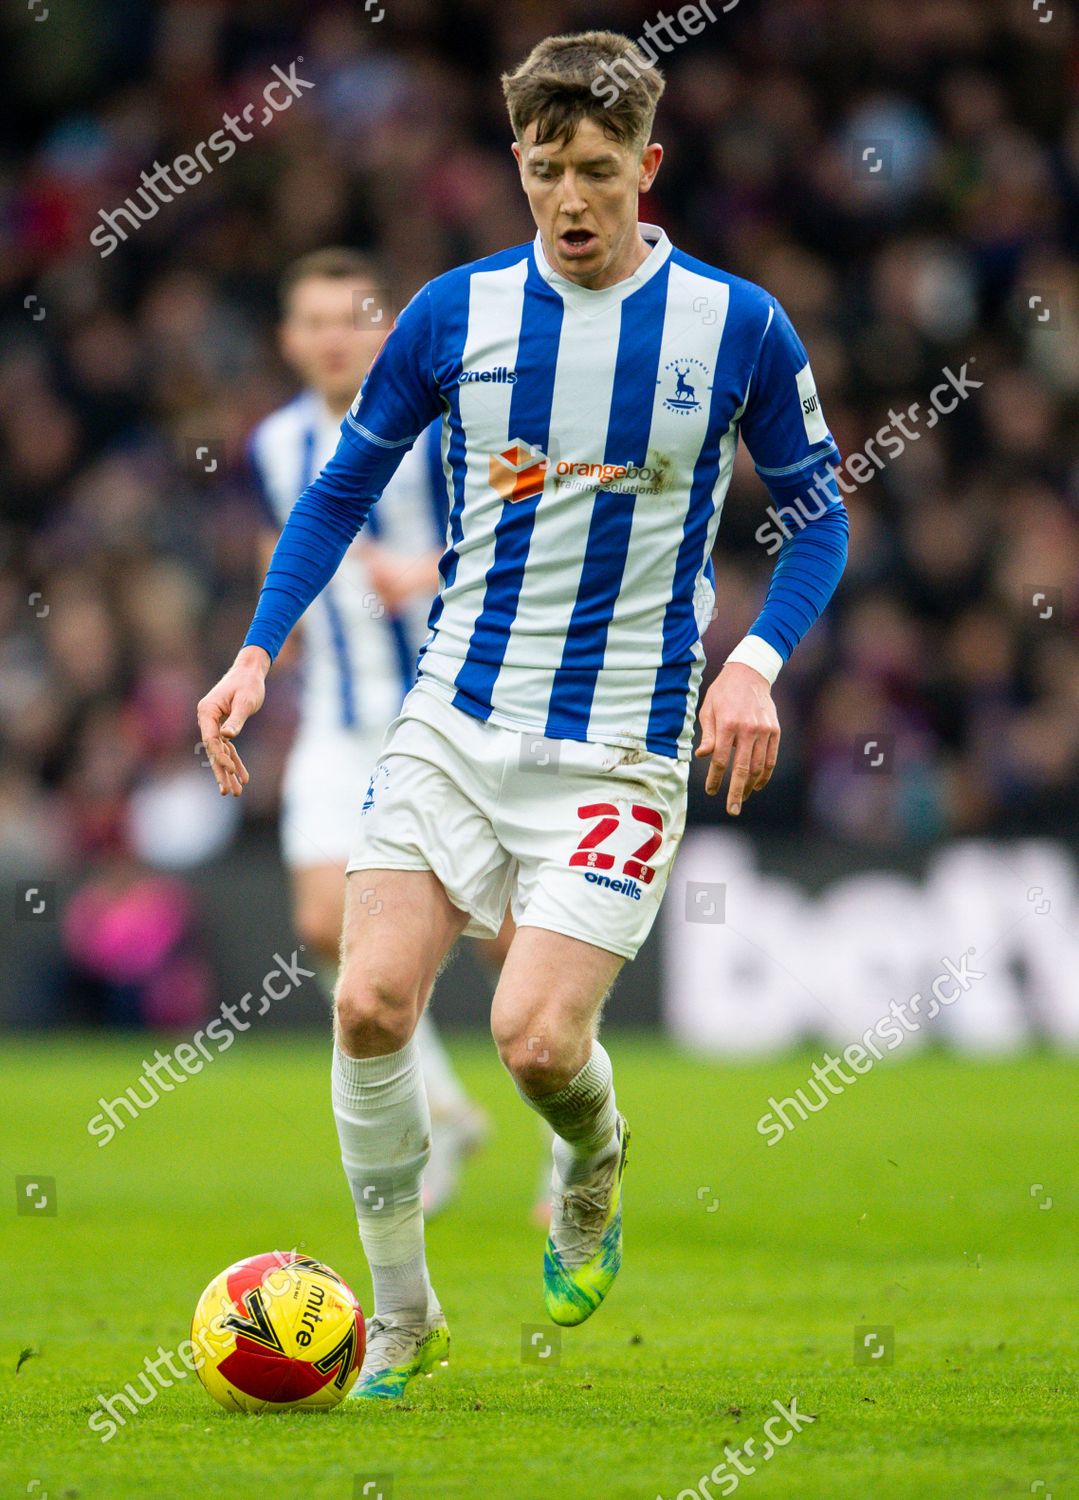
(322, 793)
(580, 837)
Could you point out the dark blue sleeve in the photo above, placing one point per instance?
(811, 559)
(795, 455)
(397, 401)
(782, 424)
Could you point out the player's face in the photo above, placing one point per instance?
(583, 196)
(320, 339)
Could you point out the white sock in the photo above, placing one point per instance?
(583, 1117)
(384, 1126)
(444, 1089)
(404, 1291)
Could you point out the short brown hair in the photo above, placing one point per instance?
(334, 263)
(590, 75)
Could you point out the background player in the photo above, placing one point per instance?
(574, 591)
(360, 637)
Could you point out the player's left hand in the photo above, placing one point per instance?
(739, 726)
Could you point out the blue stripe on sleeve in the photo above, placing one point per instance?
(814, 460)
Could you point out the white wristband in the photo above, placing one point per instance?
(753, 651)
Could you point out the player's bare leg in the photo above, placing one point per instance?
(544, 1021)
(493, 952)
(399, 926)
(318, 911)
(458, 1127)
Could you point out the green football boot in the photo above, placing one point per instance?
(584, 1246)
(396, 1353)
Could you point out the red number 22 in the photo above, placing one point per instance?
(588, 852)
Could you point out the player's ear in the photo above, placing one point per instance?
(519, 159)
(651, 157)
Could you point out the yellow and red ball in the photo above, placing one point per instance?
(278, 1331)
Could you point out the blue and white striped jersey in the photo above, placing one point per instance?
(587, 442)
(359, 660)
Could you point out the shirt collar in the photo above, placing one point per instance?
(586, 297)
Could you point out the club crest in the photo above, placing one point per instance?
(682, 381)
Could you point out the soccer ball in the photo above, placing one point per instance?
(278, 1331)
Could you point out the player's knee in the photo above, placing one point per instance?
(536, 1060)
(373, 1017)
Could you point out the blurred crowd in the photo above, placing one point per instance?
(904, 177)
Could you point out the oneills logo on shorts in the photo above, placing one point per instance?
(518, 472)
(624, 887)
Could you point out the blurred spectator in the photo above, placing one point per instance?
(130, 939)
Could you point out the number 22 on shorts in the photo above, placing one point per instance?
(607, 819)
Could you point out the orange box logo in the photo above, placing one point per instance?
(518, 472)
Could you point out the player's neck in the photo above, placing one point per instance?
(636, 253)
(629, 261)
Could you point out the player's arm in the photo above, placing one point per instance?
(398, 400)
(270, 522)
(795, 456)
(264, 547)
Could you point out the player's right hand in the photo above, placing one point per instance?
(225, 710)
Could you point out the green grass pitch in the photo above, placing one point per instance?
(936, 1198)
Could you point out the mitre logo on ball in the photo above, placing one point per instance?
(517, 473)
